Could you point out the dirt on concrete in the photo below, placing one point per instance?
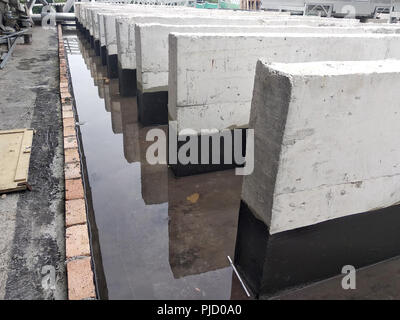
(32, 237)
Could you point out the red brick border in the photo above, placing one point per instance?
(77, 245)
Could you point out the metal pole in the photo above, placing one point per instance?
(237, 274)
(8, 54)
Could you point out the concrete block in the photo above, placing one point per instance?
(125, 25)
(152, 60)
(206, 20)
(211, 86)
(111, 44)
(95, 15)
(324, 190)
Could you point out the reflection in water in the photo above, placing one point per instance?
(160, 237)
(154, 177)
(202, 229)
(130, 130)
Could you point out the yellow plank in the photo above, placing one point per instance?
(14, 158)
(21, 172)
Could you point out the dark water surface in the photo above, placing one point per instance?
(160, 237)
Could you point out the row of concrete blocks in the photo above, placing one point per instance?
(324, 190)
(209, 99)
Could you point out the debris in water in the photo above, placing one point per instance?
(193, 198)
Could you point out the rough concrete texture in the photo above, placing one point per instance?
(192, 19)
(121, 21)
(32, 223)
(152, 62)
(211, 85)
(85, 13)
(91, 16)
(303, 176)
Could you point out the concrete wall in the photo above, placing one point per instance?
(211, 86)
(325, 142)
(152, 61)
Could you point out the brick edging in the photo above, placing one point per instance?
(77, 247)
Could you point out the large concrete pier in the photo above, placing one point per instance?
(324, 187)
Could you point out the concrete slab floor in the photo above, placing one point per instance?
(32, 223)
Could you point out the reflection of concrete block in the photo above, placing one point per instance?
(101, 90)
(114, 87)
(154, 177)
(324, 191)
(92, 67)
(116, 117)
(110, 93)
(203, 220)
(130, 129)
(107, 97)
(99, 72)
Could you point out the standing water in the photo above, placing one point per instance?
(158, 237)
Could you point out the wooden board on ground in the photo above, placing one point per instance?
(15, 153)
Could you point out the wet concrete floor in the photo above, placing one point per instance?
(32, 236)
(159, 237)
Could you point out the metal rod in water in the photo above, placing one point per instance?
(237, 274)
